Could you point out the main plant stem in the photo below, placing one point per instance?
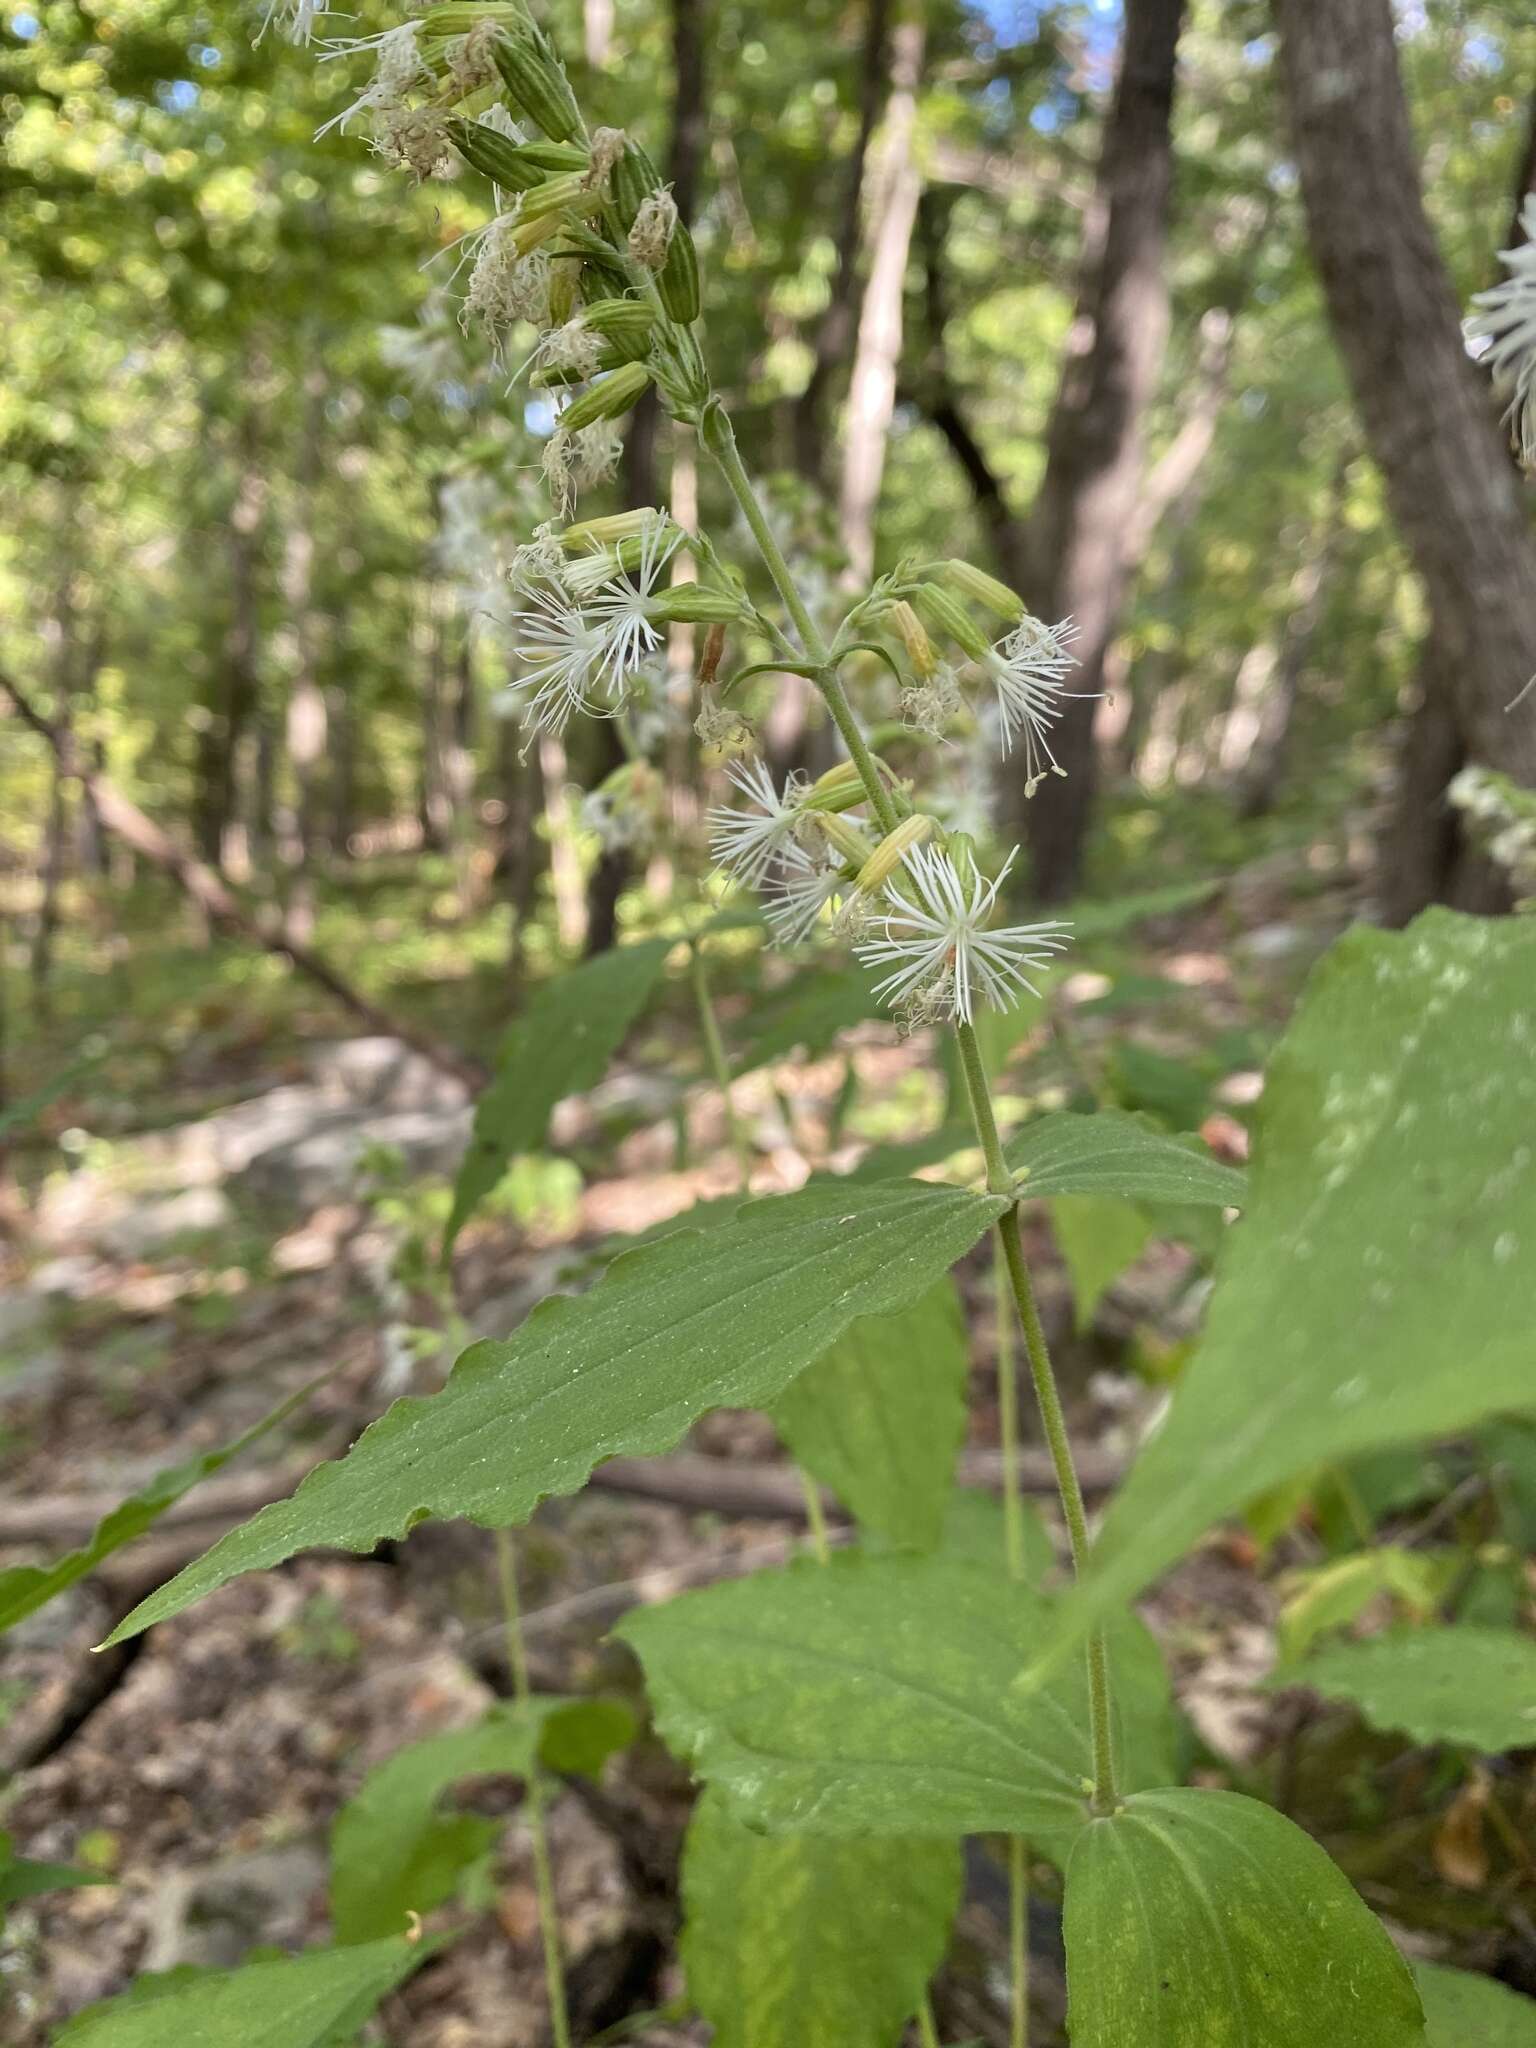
(543, 1872)
(719, 437)
(1013, 1552)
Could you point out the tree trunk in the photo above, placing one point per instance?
(237, 683)
(641, 483)
(305, 733)
(872, 385)
(1430, 426)
(835, 330)
(1255, 746)
(1094, 445)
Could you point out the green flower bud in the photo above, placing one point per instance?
(627, 323)
(609, 399)
(677, 281)
(948, 616)
(844, 835)
(609, 530)
(893, 850)
(981, 588)
(909, 628)
(693, 604)
(633, 177)
(494, 155)
(536, 82)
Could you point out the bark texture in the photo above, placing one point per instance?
(1092, 478)
(1430, 425)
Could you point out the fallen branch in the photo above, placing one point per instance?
(702, 1485)
(122, 817)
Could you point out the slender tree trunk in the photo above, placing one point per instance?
(835, 330)
(1255, 748)
(872, 385)
(1430, 426)
(61, 638)
(1094, 444)
(517, 852)
(305, 734)
(641, 483)
(237, 684)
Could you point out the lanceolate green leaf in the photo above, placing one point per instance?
(1099, 1237)
(26, 1587)
(725, 1318)
(1466, 1684)
(814, 1009)
(307, 2001)
(1194, 1918)
(1113, 1153)
(1466, 2011)
(1378, 1286)
(880, 1418)
(791, 1940)
(393, 1853)
(871, 1696)
(21, 1878)
(563, 1043)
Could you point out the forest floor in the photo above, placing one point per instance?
(265, 1219)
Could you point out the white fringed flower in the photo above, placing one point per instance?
(748, 843)
(296, 17)
(398, 66)
(1508, 325)
(1029, 670)
(583, 652)
(799, 891)
(932, 937)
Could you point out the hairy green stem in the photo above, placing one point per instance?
(720, 439)
(1018, 1939)
(543, 1872)
(719, 1066)
(1070, 1490)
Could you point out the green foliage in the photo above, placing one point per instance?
(1333, 1595)
(1381, 1248)
(1465, 2011)
(1196, 1917)
(560, 1045)
(24, 1588)
(317, 2000)
(1112, 1153)
(1098, 1237)
(1461, 1684)
(690, 1323)
(881, 1418)
(22, 1878)
(795, 1939)
(393, 1853)
(874, 1696)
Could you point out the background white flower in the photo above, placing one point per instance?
(1029, 670)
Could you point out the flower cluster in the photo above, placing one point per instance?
(1507, 326)
(586, 278)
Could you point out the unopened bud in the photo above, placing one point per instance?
(562, 293)
(526, 235)
(536, 82)
(841, 833)
(893, 850)
(627, 323)
(609, 399)
(569, 193)
(948, 616)
(981, 588)
(609, 530)
(834, 790)
(910, 629)
(692, 604)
